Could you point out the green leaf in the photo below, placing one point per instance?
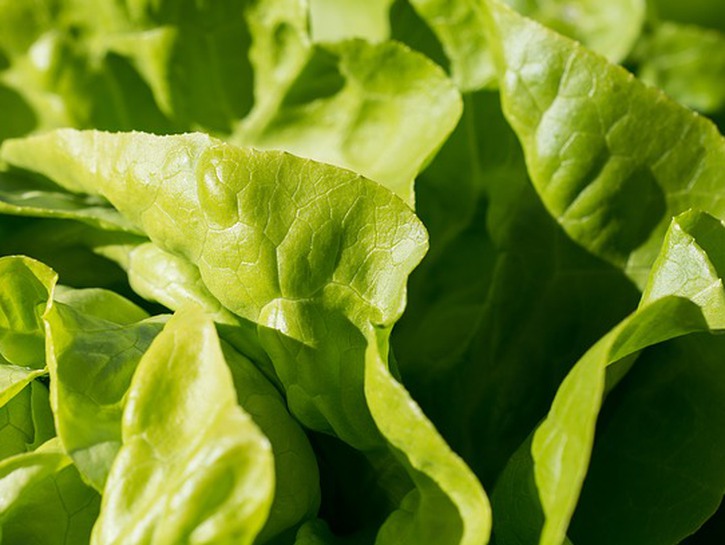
(707, 13)
(458, 26)
(25, 421)
(14, 378)
(348, 92)
(171, 44)
(504, 303)
(448, 504)
(612, 159)
(352, 269)
(92, 360)
(18, 117)
(64, 75)
(160, 276)
(687, 62)
(677, 302)
(24, 196)
(608, 28)
(325, 101)
(44, 501)
(73, 249)
(297, 479)
(97, 340)
(315, 275)
(658, 437)
(334, 21)
(193, 466)
(23, 23)
(115, 67)
(25, 292)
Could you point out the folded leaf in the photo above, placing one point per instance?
(659, 443)
(315, 275)
(458, 26)
(160, 276)
(193, 467)
(23, 196)
(448, 504)
(612, 159)
(92, 360)
(354, 268)
(26, 290)
(297, 479)
(26, 421)
(97, 340)
(543, 481)
(44, 485)
(14, 378)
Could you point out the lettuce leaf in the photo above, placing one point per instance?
(242, 331)
(549, 469)
(349, 286)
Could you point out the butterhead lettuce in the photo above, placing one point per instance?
(392, 273)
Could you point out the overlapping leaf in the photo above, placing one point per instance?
(44, 485)
(540, 487)
(197, 471)
(330, 262)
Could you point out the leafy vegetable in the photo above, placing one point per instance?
(670, 308)
(44, 500)
(197, 470)
(340, 268)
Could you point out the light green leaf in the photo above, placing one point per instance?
(684, 295)
(119, 67)
(325, 101)
(44, 486)
(100, 303)
(608, 28)
(97, 340)
(193, 466)
(160, 276)
(353, 268)
(315, 274)
(22, 23)
(25, 292)
(14, 378)
(92, 360)
(380, 110)
(612, 159)
(335, 20)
